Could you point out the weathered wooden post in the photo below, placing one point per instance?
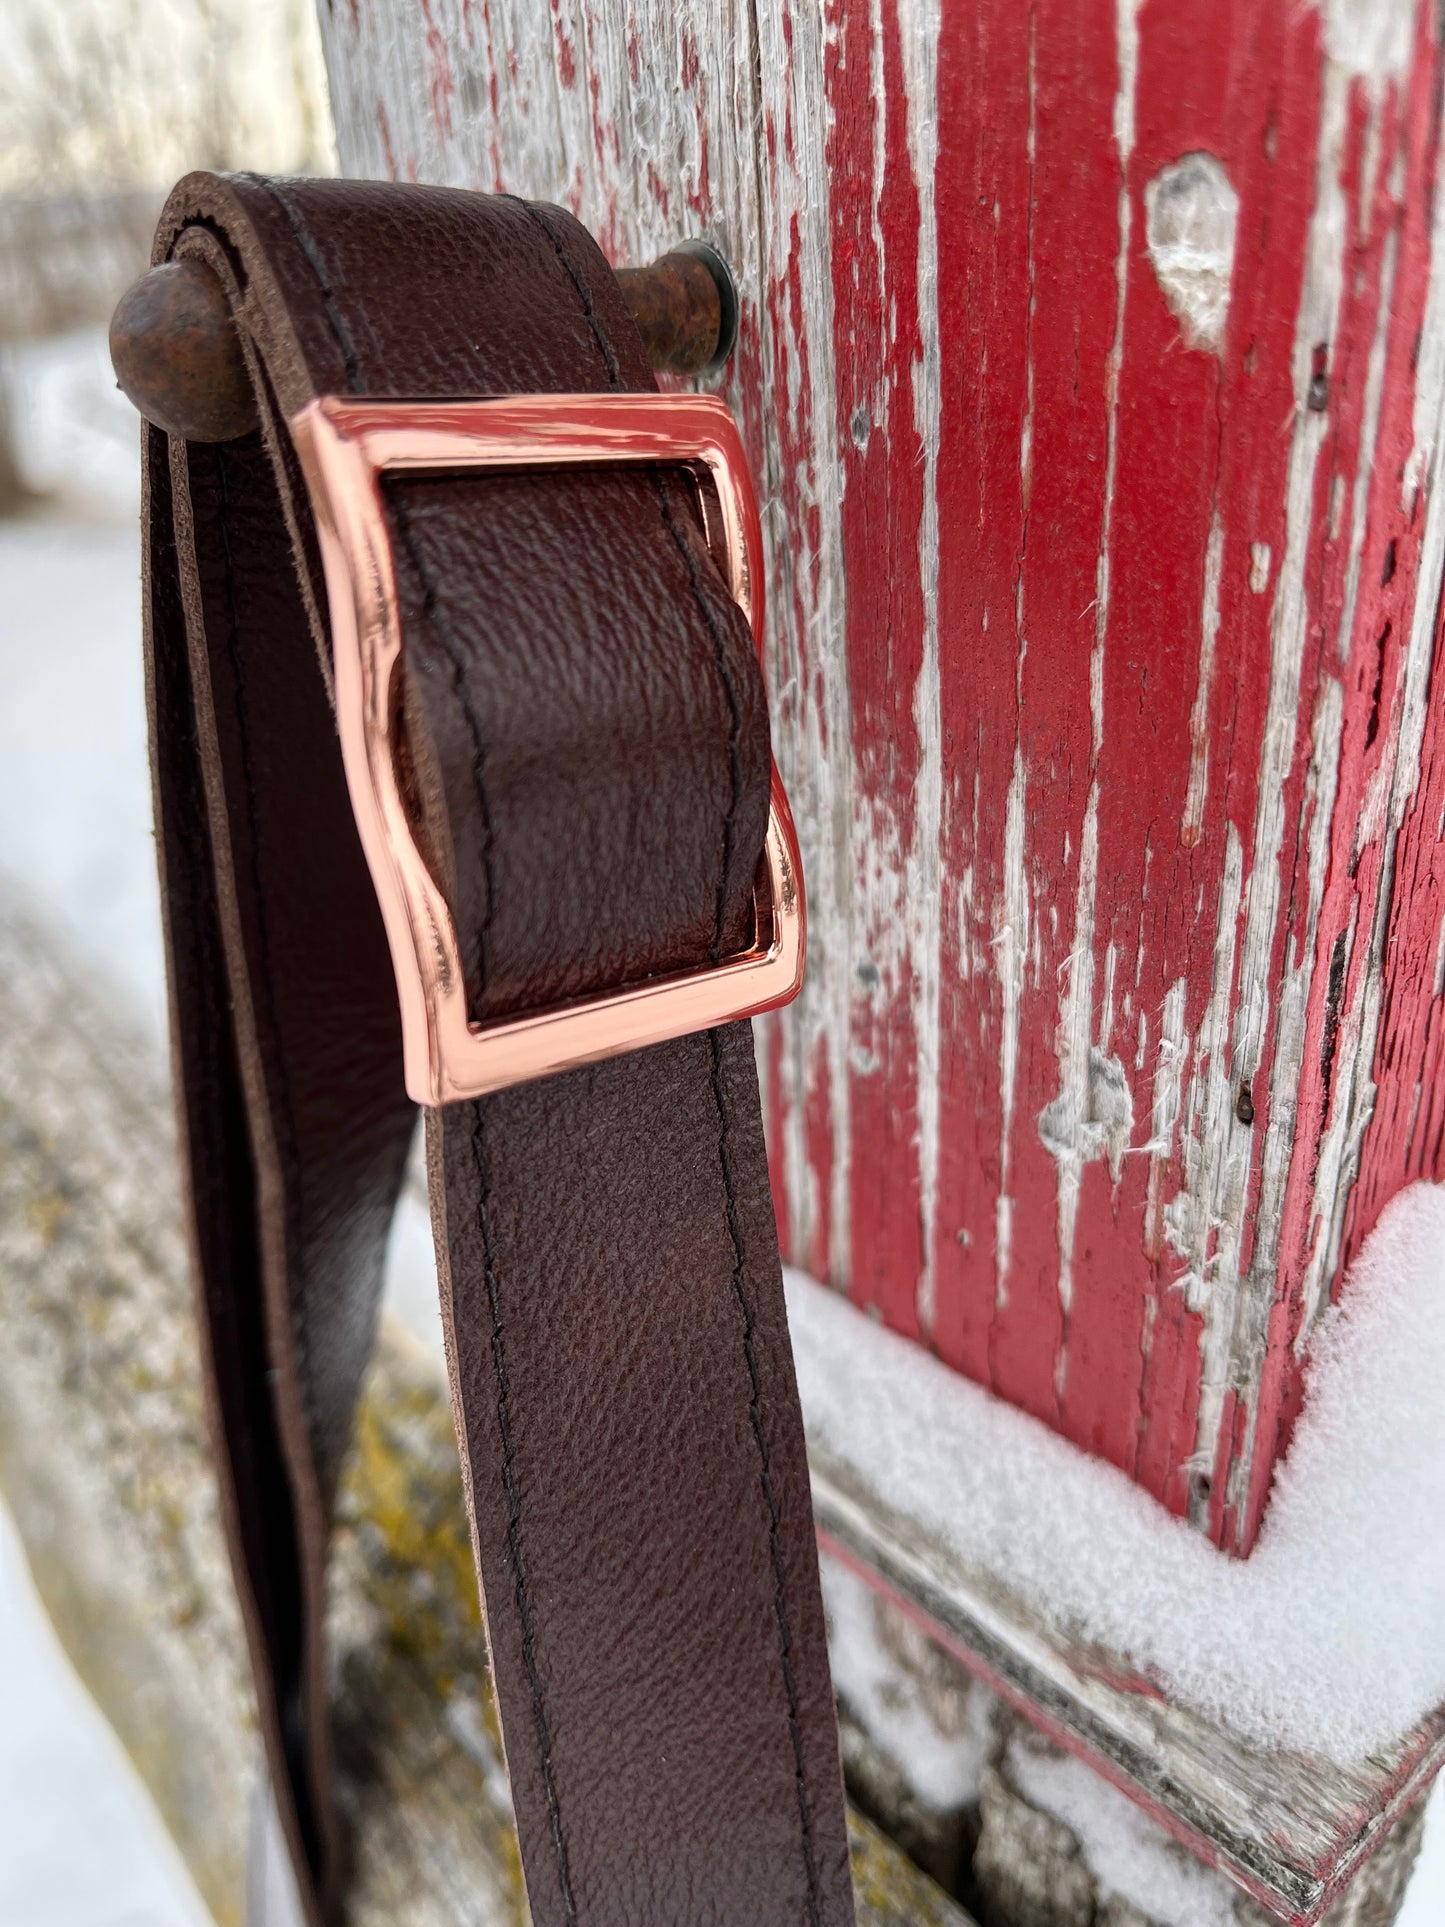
(1092, 359)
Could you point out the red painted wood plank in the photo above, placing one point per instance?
(874, 218)
(1377, 999)
(1108, 491)
(1101, 640)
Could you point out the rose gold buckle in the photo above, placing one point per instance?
(344, 447)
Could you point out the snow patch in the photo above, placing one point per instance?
(81, 1843)
(76, 437)
(938, 1740)
(1330, 1639)
(1425, 1897)
(1128, 1855)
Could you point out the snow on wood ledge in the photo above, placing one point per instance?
(1352, 1559)
(1277, 1712)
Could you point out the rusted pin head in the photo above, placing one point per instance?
(686, 309)
(177, 357)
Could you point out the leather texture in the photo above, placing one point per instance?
(588, 742)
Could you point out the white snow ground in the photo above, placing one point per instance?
(74, 830)
(80, 1843)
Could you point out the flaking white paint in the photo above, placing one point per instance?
(1169, 1063)
(1388, 799)
(812, 741)
(1355, 1027)
(1191, 212)
(1010, 946)
(1199, 714)
(1369, 439)
(1066, 1125)
(1235, 1319)
(919, 24)
(1203, 1220)
(1169, 1066)
(1370, 39)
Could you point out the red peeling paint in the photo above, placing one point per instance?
(384, 129)
(1371, 877)
(952, 320)
(443, 86)
(1044, 383)
(566, 55)
(876, 345)
(657, 187)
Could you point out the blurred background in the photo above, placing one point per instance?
(103, 104)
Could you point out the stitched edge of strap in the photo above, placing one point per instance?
(346, 344)
(514, 1514)
(739, 1279)
(344, 340)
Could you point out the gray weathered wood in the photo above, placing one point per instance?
(1009, 1839)
(1032, 1870)
(1293, 1831)
(103, 1458)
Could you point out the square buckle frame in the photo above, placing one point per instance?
(345, 446)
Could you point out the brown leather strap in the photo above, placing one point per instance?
(588, 749)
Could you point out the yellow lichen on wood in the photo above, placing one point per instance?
(889, 1889)
(104, 1459)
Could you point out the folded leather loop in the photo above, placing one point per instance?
(587, 749)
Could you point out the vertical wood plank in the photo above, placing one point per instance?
(1092, 368)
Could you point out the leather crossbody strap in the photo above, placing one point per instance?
(586, 746)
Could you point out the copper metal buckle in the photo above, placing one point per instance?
(344, 447)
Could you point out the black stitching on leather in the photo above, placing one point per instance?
(289, 1708)
(514, 1514)
(584, 293)
(739, 1281)
(441, 628)
(514, 1508)
(775, 1543)
(339, 327)
(735, 716)
(684, 548)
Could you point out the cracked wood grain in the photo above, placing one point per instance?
(1092, 368)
